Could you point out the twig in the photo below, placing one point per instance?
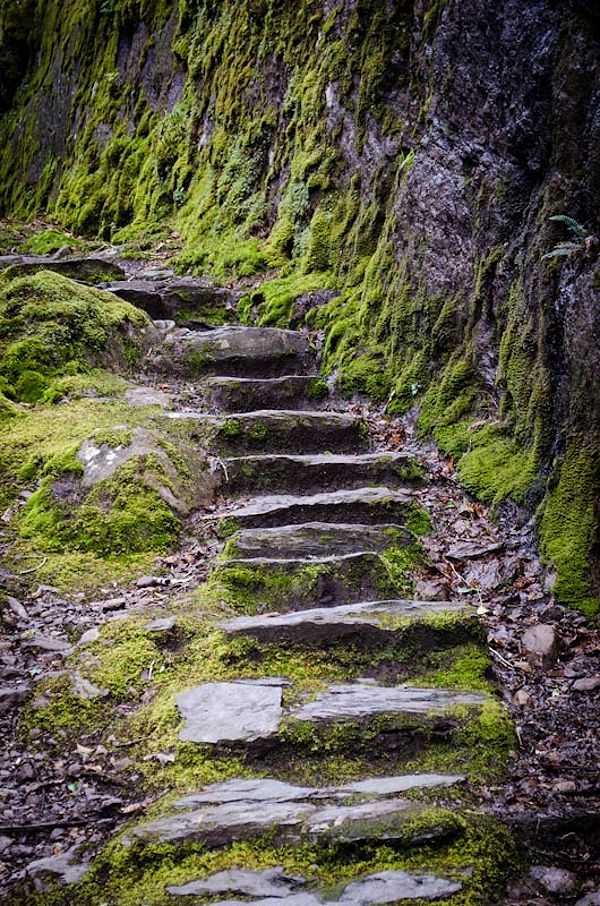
(33, 569)
(501, 658)
(50, 825)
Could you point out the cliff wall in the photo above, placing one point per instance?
(391, 167)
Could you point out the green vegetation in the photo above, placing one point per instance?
(52, 328)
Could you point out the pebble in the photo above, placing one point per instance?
(554, 880)
(587, 684)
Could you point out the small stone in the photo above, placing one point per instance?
(91, 635)
(587, 684)
(86, 690)
(564, 786)
(554, 880)
(63, 866)
(541, 644)
(5, 842)
(13, 695)
(17, 608)
(590, 899)
(110, 604)
(147, 582)
(48, 643)
(25, 772)
(522, 698)
(431, 590)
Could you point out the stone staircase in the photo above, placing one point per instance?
(321, 538)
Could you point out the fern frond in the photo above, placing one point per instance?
(573, 225)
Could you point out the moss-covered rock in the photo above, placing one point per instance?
(51, 326)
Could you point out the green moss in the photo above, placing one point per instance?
(48, 241)
(51, 326)
(366, 374)
(272, 304)
(317, 390)
(569, 527)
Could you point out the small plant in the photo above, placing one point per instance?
(107, 7)
(580, 238)
(179, 197)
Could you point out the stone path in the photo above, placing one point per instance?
(308, 509)
(360, 781)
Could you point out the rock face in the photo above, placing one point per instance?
(436, 179)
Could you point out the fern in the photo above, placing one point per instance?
(569, 247)
(577, 229)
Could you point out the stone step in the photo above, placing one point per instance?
(365, 505)
(237, 351)
(425, 625)
(84, 270)
(273, 430)
(229, 394)
(264, 583)
(271, 886)
(251, 713)
(315, 540)
(186, 300)
(365, 811)
(282, 472)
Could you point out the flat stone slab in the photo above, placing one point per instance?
(180, 298)
(147, 396)
(393, 886)
(271, 886)
(270, 882)
(85, 270)
(316, 539)
(275, 472)
(238, 394)
(242, 711)
(269, 430)
(365, 505)
(240, 809)
(370, 621)
(237, 351)
(356, 701)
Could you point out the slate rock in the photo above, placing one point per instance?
(147, 396)
(242, 808)
(587, 684)
(360, 700)
(284, 472)
(541, 645)
(13, 695)
(554, 880)
(367, 505)
(391, 886)
(230, 712)
(373, 890)
(315, 539)
(270, 882)
(369, 622)
(64, 866)
(237, 351)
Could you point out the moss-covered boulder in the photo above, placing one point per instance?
(51, 326)
(108, 491)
